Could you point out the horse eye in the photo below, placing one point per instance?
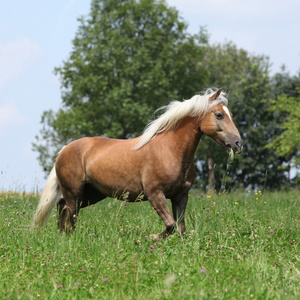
(219, 116)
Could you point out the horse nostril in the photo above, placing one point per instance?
(239, 144)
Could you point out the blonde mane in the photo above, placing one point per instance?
(176, 110)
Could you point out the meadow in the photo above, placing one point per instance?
(238, 246)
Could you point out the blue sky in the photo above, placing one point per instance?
(35, 37)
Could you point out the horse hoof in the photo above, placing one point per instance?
(154, 237)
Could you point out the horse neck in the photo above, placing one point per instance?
(183, 138)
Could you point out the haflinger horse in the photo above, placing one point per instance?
(158, 165)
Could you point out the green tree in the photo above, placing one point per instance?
(247, 78)
(285, 105)
(283, 83)
(287, 144)
(129, 57)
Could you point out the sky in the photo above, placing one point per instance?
(36, 36)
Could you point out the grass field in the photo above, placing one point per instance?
(237, 246)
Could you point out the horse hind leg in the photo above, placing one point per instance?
(67, 211)
(60, 206)
(62, 215)
(69, 206)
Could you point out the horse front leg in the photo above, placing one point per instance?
(160, 204)
(178, 206)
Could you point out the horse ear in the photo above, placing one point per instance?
(216, 95)
(226, 92)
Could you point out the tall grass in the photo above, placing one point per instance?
(242, 245)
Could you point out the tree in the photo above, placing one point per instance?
(129, 57)
(285, 105)
(288, 142)
(247, 78)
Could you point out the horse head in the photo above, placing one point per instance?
(218, 125)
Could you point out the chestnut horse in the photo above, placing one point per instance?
(157, 165)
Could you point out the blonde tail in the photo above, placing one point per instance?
(50, 197)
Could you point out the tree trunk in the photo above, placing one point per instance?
(211, 173)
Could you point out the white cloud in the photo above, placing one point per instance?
(10, 114)
(16, 57)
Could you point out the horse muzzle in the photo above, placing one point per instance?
(236, 145)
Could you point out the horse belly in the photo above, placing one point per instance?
(116, 182)
(126, 192)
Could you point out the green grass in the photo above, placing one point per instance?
(237, 246)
